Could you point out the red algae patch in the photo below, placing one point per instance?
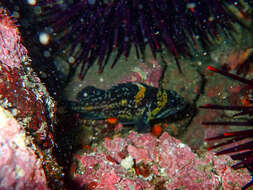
(150, 163)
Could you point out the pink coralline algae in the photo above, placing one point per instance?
(12, 52)
(141, 161)
(148, 73)
(19, 166)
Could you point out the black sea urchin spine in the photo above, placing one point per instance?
(101, 27)
(244, 151)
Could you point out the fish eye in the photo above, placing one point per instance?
(89, 92)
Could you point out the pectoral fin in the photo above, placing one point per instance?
(143, 125)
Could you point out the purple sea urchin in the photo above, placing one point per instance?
(96, 29)
(244, 150)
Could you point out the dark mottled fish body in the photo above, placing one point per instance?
(130, 103)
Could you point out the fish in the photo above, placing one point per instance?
(131, 103)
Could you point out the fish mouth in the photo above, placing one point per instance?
(72, 105)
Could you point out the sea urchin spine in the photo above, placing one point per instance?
(98, 28)
(243, 151)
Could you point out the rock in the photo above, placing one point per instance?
(163, 162)
(20, 167)
(28, 139)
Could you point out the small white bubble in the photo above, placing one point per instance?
(101, 79)
(199, 63)
(71, 59)
(211, 18)
(44, 38)
(37, 10)
(32, 2)
(191, 5)
(46, 54)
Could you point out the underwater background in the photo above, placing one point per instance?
(118, 94)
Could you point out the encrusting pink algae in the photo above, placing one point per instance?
(142, 161)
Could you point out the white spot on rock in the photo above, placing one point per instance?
(127, 163)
